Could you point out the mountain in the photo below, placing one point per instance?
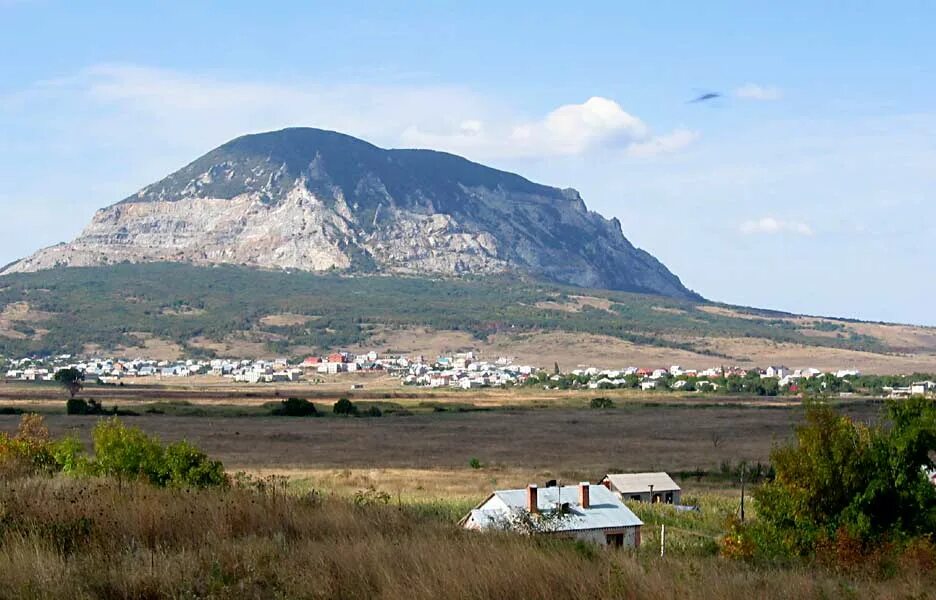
(315, 200)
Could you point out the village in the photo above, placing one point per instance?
(467, 371)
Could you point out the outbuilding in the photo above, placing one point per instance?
(643, 487)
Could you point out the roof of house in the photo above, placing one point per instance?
(605, 511)
(635, 483)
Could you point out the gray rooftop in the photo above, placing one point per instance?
(638, 483)
(606, 511)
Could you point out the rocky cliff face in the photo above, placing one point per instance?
(315, 200)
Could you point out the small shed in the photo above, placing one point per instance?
(643, 487)
(592, 513)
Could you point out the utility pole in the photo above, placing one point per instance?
(742, 491)
(662, 539)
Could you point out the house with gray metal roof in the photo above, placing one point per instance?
(643, 487)
(586, 512)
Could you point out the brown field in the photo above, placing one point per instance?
(234, 346)
(374, 387)
(152, 347)
(577, 303)
(285, 319)
(21, 312)
(518, 437)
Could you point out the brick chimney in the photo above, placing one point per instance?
(532, 499)
(585, 494)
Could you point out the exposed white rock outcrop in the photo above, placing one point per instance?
(316, 200)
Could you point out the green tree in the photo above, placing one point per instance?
(71, 379)
(845, 477)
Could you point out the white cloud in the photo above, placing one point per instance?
(772, 226)
(568, 130)
(664, 144)
(753, 91)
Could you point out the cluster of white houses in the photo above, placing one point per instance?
(707, 378)
(466, 371)
(463, 371)
(459, 371)
(589, 512)
(112, 370)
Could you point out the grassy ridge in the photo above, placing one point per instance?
(178, 302)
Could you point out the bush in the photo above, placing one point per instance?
(187, 466)
(345, 407)
(77, 406)
(119, 451)
(474, 463)
(128, 453)
(373, 411)
(601, 403)
(295, 407)
(29, 452)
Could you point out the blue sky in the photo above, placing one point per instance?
(809, 186)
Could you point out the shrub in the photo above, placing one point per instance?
(601, 403)
(474, 463)
(77, 406)
(128, 453)
(70, 456)
(295, 407)
(373, 411)
(345, 407)
(370, 496)
(187, 466)
(29, 452)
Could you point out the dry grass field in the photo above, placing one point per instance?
(310, 533)
(517, 437)
(96, 539)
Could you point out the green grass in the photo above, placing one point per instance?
(688, 534)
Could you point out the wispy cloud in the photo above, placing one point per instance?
(773, 226)
(753, 91)
(188, 109)
(664, 144)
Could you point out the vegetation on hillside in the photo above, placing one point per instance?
(105, 306)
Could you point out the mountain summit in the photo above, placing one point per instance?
(316, 200)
